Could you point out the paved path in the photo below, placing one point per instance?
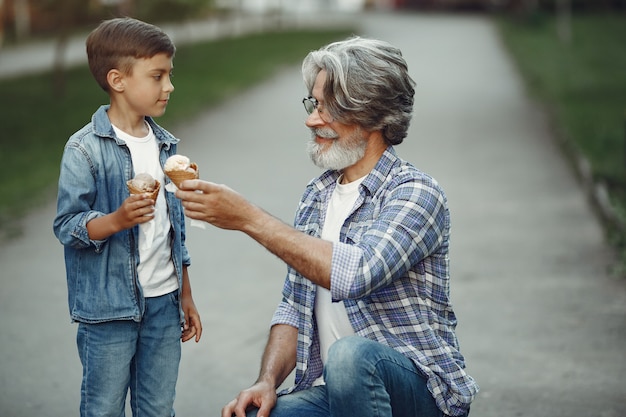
(541, 322)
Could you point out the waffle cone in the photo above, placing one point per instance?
(179, 176)
(153, 194)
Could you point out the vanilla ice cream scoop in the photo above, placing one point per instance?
(179, 168)
(177, 163)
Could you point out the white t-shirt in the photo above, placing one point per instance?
(156, 269)
(332, 319)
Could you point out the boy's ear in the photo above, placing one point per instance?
(116, 80)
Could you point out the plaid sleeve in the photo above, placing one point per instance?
(285, 314)
(389, 235)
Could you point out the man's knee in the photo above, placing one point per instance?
(349, 357)
(352, 349)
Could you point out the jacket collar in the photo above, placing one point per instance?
(102, 127)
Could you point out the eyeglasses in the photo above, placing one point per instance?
(311, 104)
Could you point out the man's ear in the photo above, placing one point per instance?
(116, 80)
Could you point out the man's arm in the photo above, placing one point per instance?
(279, 359)
(226, 209)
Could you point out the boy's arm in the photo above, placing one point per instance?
(80, 222)
(193, 324)
(136, 209)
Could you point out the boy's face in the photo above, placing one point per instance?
(147, 89)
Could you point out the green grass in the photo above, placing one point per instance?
(583, 84)
(36, 122)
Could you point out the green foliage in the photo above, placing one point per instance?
(36, 123)
(584, 84)
(170, 10)
(584, 5)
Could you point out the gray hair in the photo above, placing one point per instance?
(367, 83)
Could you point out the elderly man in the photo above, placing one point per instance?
(366, 318)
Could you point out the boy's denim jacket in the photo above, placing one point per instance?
(102, 276)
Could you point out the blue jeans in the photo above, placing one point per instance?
(122, 355)
(363, 378)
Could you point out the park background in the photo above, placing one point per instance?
(539, 297)
(570, 52)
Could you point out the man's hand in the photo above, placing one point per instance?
(261, 395)
(227, 209)
(215, 204)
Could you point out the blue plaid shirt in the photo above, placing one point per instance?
(391, 270)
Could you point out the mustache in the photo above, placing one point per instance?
(324, 133)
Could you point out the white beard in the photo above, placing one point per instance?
(341, 153)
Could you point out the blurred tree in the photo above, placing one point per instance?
(530, 7)
(126, 7)
(71, 15)
(526, 10)
(156, 11)
(584, 5)
(564, 20)
(68, 15)
(2, 13)
(21, 9)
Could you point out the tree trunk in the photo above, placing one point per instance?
(22, 19)
(2, 14)
(59, 78)
(564, 20)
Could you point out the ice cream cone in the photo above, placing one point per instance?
(178, 176)
(153, 194)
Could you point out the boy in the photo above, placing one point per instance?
(125, 256)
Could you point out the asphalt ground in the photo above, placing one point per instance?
(542, 322)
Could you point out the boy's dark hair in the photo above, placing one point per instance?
(116, 43)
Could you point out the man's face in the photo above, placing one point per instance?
(333, 145)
